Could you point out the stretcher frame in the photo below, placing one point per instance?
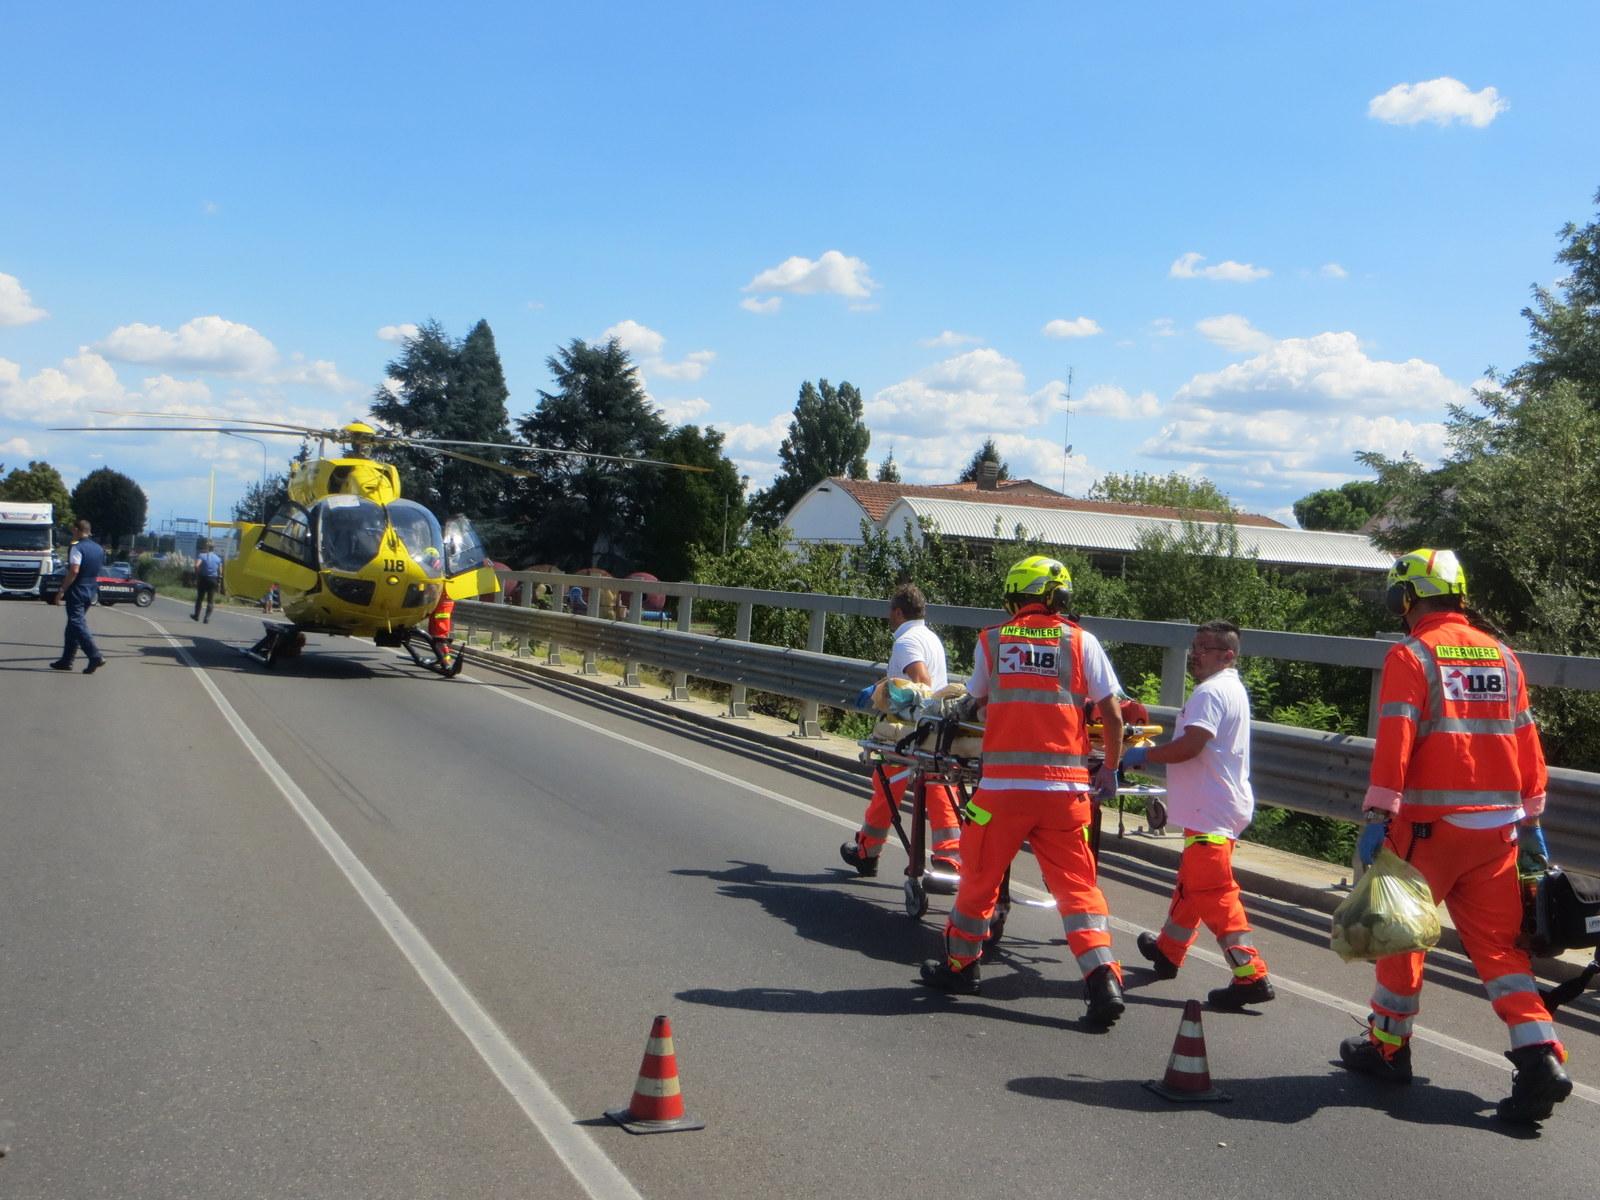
(963, 774)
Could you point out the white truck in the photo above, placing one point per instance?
(26, 553)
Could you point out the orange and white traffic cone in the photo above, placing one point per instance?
(1188, 1076)
(657, 1104)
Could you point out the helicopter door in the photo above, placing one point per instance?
(468, 569)
(287, 551)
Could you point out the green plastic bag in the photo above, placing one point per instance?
(1389, 911)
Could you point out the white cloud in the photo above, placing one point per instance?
(1163, 327)
(166, 392)
(638, 340)
(981, 389)
(1233, 333)
(318, 373)
(205, 344)
(66, 393)
(16, 306)
(1327, 372)
(14, 448)
(949, 339)
(1188, 267)
(682, 412)
(398, 333)
(1104, 400)
(1334, 271)
(1076, 328)
(763, 307)
(646, 345)
(1443, 101)
(394, 387)
(210, 208)
(754, 447)
(833, 274)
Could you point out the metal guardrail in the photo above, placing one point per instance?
(1300, 769)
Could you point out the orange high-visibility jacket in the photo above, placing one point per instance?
(1455, 733)
(1035, 731)
(440, 619)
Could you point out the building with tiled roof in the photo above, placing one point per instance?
(1105, 531)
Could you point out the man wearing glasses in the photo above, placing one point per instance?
(1208, 794)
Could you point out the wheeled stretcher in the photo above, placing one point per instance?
(949, 753)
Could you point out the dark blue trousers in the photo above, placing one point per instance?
(78, 631)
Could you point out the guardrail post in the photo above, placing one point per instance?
(809, 725)
(680, 679)
(552, 653)
(1174, 666)
(590, 664)
(737, 706)
(630, 669)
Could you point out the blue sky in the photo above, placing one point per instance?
(1262, 237)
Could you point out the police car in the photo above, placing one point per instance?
(114, 589)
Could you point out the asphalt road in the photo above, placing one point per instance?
(347, 929)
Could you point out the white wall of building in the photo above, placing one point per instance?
(826, 513)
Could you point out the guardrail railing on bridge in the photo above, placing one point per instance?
(1300, 769)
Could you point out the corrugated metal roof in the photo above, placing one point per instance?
(1115, 532)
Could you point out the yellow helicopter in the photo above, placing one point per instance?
(348, 555)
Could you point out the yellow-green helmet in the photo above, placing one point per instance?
(1423, 574)
(1037, 579)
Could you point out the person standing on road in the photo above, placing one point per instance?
(918, 655)
(79, 587)
(1033, 675)
(207, 579)
(1457, 766)
(1208, 794)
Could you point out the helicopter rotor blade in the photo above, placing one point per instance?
(307, 430)
(522, 448)
(168, 429)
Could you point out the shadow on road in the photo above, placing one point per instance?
(1285, 1099)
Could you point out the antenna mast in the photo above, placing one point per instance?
(1066, 443)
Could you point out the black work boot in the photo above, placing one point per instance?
(1103, 990)
(1165, 968)
(938, 974)
(1538, 1084)
(865, 864)
(1238, 995)
(1365, 1057)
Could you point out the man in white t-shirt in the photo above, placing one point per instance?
(1208, 794)
(918, 655)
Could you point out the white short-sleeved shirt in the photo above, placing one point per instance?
(1100, 677)
(75, 556)
(914, 642)
(1210, 793)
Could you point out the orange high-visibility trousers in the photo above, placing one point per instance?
(1056, 824)
(1207, 894)
(944, 829)
(1473, 872)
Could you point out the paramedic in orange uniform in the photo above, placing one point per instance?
(1456, 768)
(918, 655)
(1034, 674)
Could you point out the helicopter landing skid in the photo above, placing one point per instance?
(435, 654)
(279, 642)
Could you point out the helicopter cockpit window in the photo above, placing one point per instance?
(463, 549)
(351, 531)
(419, 530)
(288, 535)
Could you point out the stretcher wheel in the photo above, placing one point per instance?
(916, 899)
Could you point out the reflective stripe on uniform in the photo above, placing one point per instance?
(1091, 961)
(1392, 1029)
(1032, 758)
(1532, 1033)
(1398, 708)
(1037, 695)
(875, 831)
(1509, 985)
(974, 927)
(1085, 922)
(1394, 1002)
(1209, 839)
(1455, 797)
(1495, 726)
(1181, 934)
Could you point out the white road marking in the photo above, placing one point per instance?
(578, 1152)
(1303, 990)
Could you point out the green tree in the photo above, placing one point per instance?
(262, 498)
(1174, 490)
(453, 390)
(39, 483)
(1343, 509)
(988, 452)
(113, 504)
(689, 513)
(826, 438)
(1565, 329)
(889, 470)
(584, 511)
